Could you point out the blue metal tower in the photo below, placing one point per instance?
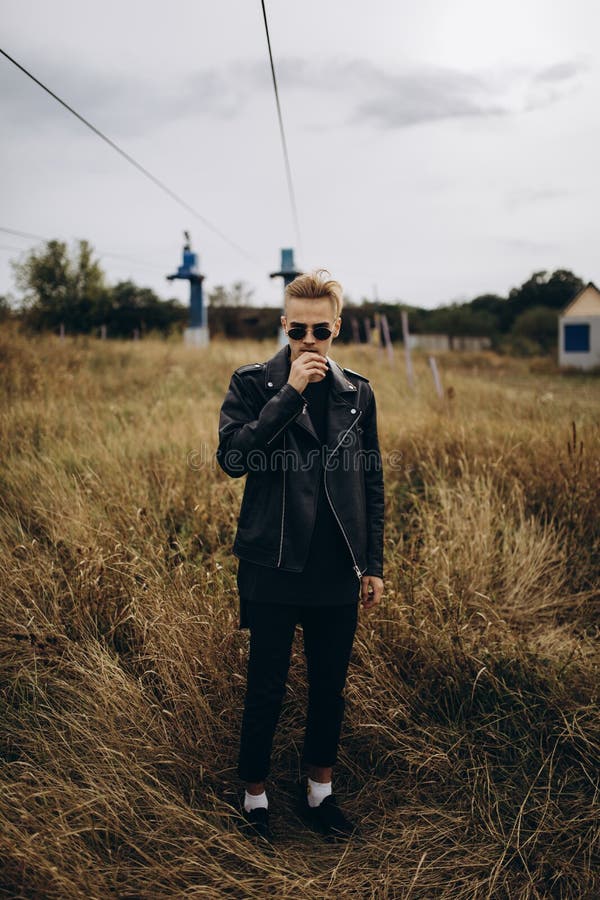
(197, 333)
(288, 272)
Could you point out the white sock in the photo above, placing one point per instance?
(317, 792)
(253, 801)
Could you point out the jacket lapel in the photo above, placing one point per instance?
(277, 370)
(342, 410)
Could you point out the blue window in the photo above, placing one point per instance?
(577, 338)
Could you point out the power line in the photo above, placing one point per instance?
(131, 259)
(24, 234)
(40, 237)
(286, 158)
(130, 159)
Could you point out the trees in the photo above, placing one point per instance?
(69, 288)
(460, 319)
(543, 289)
(133, 307)
(535, 331)
(5, 309)
(62, 289)
(226, 305)
(524, 322)
(239, 294)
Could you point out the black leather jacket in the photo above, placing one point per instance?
(265, 433)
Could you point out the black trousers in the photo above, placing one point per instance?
(328, 636)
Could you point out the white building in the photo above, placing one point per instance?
(579, 330)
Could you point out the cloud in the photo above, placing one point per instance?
(429, 95)
(393, 99)
(110, 101)
(560, 71)
(527, 245)
(421, 93)
(521, 197)
(123, 104)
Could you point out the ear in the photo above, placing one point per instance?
(338, 325)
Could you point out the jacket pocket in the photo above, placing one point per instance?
(260, 512)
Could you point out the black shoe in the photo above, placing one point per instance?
(327, 818)
(256, 823)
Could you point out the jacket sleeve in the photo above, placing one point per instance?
(244, 431)
(373, 473)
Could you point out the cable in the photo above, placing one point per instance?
(25, 234)
(39, 237)
(131, 160)
(131, 259)
(282, 133)
(101, 253)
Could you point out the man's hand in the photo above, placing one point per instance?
(310, 366)
(370, 591)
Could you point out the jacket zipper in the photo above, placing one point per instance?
(282, 507)
(356, 567)
(295, 416)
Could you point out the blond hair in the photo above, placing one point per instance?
(315, 286)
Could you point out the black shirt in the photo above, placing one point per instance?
(328, 578)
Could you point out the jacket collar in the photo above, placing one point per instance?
(277, 370)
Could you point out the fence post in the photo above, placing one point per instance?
(387, 338)
(407, 356)
(436, 377)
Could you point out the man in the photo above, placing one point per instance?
(309, 537)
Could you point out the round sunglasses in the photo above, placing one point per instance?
(320, 332)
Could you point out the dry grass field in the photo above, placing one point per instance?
(471, 743)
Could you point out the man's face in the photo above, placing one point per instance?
(303, 311)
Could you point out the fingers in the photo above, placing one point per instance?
(364, 589)
(371, 591)
(316, 376)
(379, 591)
(308, 367)
(310, 363)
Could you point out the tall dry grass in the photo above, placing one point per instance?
(471, 741)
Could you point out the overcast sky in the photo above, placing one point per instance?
(440, 148)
